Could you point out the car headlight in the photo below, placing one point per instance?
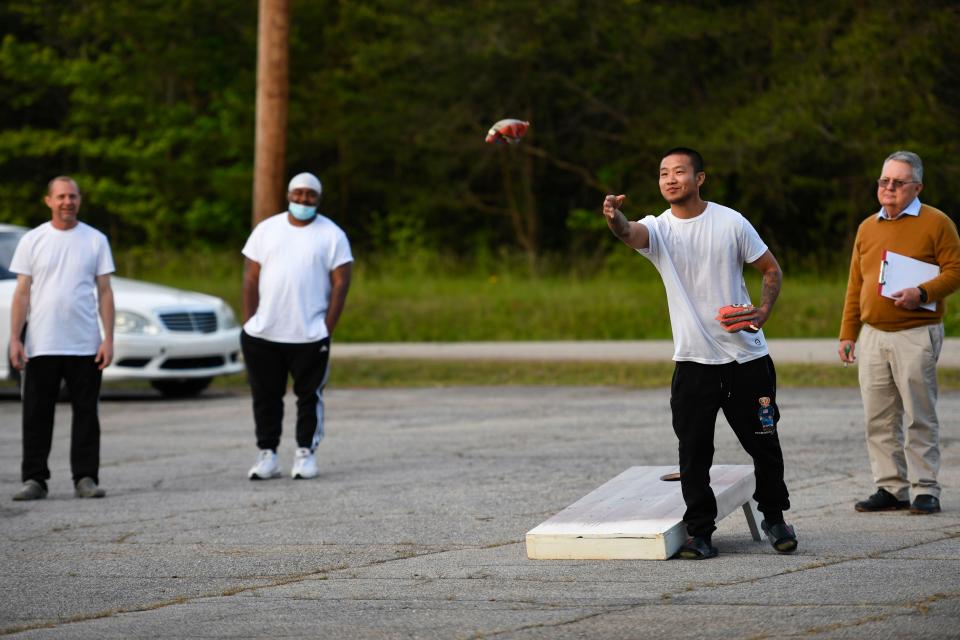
(130, 322)
(227, 318)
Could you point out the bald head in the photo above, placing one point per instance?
(67, 179)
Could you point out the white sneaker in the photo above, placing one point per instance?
(304, 465)
(266, 466)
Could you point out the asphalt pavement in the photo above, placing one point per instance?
(415, 528)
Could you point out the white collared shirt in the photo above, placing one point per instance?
(913, 209)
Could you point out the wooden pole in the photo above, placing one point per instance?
(272, 91)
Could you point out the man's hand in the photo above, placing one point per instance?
(633, 234)
(908, 298)
(846, 351)
(763, 314)
(18, 355)
(611, 206)
(104, 354)
(741, 317)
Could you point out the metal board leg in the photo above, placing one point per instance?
(753, 518)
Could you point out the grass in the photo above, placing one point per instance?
(449, 300)
(430, 298)
(358, 373)
(362, 373)
(218, 273)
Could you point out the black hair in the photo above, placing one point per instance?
(694, 156)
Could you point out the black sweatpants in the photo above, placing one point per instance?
(747, 394)
(268, 365)
(40, 387)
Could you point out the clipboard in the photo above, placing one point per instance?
(902, 272)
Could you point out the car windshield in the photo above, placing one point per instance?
(8, 242)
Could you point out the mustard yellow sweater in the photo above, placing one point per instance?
(930, 237)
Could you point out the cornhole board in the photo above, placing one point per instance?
(637, 516)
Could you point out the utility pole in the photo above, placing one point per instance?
(273, 34)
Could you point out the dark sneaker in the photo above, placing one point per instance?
(31, 490)
(87, 488)
(924, 504)
(882, 500)
(697, 548)
(781, 536)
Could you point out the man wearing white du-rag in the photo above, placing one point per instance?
(296, 278)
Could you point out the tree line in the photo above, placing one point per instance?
(150, 104)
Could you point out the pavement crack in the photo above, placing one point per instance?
(318, 574)
(552, 625)
(919, 607)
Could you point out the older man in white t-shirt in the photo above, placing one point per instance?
(700, 248)
(297, 275)
(63, 272)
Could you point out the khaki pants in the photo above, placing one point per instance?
(898, 383)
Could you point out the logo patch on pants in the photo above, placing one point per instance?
(766, 415)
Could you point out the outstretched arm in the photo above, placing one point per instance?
(633, 234)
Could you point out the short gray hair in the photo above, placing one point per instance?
(912, 159)
(61, 179)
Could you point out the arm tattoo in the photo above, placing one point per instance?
(620, 226)
(771, 288)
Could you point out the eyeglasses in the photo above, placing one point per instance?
(885, 183)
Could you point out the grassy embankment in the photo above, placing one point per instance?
(436, 300)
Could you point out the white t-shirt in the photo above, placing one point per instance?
(295, 265)
(701, 262)
(62, 319)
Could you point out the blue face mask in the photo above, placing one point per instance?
(302, 212)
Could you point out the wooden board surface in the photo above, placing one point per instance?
(635, 515)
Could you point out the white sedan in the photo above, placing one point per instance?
(178, 340)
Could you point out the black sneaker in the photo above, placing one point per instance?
(882, 500)
(781, 536)
(697, 548)
(924, 504)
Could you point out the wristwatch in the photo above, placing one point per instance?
(923, 295)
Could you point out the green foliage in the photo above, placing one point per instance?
(144, 103)
(150, 104)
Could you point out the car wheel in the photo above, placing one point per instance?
(181, 388)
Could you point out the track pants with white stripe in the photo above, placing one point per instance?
(268, 366)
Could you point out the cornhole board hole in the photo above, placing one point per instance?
(637, 516)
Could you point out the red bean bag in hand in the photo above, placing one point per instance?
(738, 317)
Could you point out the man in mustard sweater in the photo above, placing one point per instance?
(899, 341)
